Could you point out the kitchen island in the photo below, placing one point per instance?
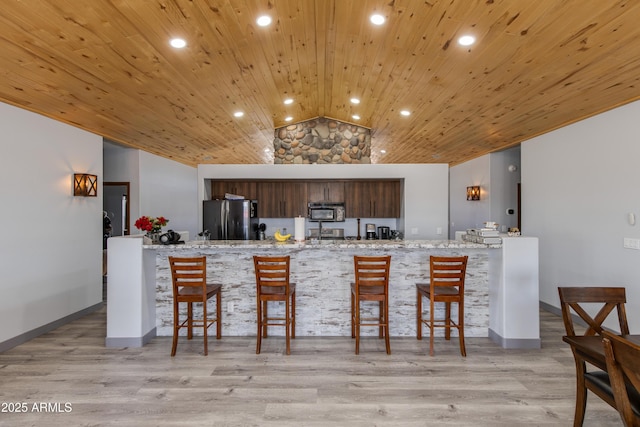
(139, 286)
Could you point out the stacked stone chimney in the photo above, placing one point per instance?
(322, 140)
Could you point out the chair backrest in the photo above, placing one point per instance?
(272, 272)
(372, 272)
(575, 298)
(188, 272)
(623, 367)
(448, 271)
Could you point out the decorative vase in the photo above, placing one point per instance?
(154, 237)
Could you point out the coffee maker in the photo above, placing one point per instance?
(384, 233)
(371, 231)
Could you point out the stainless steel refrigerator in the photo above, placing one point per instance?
(230, 219)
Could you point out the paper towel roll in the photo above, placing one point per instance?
(299, 233)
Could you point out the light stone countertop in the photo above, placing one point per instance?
(324, 244)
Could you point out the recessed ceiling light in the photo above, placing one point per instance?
(238, 114)
(288, 119)
(356, 117)
(377, 19)
(178, 43)
(288, 101)
(264, 20)
(355, 101)
(405, 112)
(383, 151)
(267, 150)
(466, 40)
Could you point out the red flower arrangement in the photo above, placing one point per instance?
(151, 224)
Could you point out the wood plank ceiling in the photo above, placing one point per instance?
(106, 66)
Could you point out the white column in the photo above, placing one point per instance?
(514, 308)
(131, 292)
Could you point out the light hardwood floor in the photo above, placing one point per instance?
(322, 383)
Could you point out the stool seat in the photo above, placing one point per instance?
(210, 291)
(426, 289)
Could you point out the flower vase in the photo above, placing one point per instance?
(154, 236)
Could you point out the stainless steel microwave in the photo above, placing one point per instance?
(326, 212)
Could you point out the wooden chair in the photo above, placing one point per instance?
(446, 285)
(272, 281)
(623, 366)
(189, 277)
(371, 284)
(574, 299)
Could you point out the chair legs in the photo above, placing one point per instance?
(581, 395)
(189, 324)
(383, 331)
(463, 350)
(447, 323)
(289, 322)
(176, 322)
(419, 315)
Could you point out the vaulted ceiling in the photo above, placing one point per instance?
(106, 66)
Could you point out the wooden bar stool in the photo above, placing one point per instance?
(189, 277)
(272, 282)
(371, 284)
(446, 285)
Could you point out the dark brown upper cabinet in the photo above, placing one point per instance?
(325, 191)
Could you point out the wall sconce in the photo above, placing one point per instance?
(85, 185)
(473, 193)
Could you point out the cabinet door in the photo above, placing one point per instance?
(268, 199)
(386, 197)
(281, 199)
(242, 188)
(373, 199)
(325, 191)
(294, 199)
(357, 199)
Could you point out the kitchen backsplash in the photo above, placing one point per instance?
(350, 225)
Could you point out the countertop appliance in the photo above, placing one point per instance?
(384, 233)
(327, 233)
(326, 211)
(371, 231)
(230, 219)
(260, 232)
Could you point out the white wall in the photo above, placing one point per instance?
(464, 213)
(52, 262)
(425, 205)
(158, 186)
(578, 185)
(498, 191)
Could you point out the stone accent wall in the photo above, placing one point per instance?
(322, 140)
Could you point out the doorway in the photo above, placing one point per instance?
(116, 207)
